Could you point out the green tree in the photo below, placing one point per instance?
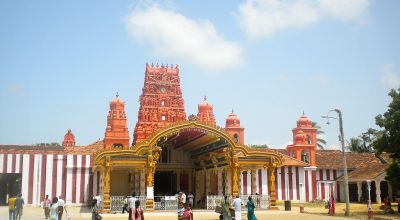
(364, 142)
(388, 139)
(321, 143)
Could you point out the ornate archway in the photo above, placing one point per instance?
(223, 152)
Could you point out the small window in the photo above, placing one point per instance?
(309, 140)
(236, 138)
(163, 117)
(162, 103)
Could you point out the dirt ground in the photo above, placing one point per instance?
(313, 212)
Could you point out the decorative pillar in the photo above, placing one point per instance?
(235, 171)
(378, 191)
(272, 187)
(253, 182)
(197, 179)
(207, 176)
(151, 166)
(131, 181)
(228, 175)
(142, 182)
(219, 173)
(359, 191)
(240, 181)
(106, 195)
(137, 182)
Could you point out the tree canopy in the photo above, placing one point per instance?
(389, 138)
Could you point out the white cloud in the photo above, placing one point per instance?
(173, 35)
(389, 78)
(344, 9)
(263, 18)
(322, 79)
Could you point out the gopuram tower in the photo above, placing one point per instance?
(161, 102)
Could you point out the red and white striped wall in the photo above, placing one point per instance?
(51, 174)
(327, 184)
(292, 183)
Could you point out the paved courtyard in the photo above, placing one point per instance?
(314, 212)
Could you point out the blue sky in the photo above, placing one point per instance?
(62, 62)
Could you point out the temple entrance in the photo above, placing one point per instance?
(165, 183)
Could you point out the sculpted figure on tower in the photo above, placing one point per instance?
(161, 102)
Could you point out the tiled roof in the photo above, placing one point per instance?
(333, 159)
(91, 149)
(367, 172)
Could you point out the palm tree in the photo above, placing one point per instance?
(321, 143)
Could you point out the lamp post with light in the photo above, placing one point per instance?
(346, 177)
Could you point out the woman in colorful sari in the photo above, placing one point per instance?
(250, 210)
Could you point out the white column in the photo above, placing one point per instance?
(264, 174)
(219, 173)
(378, 191)
(359, 190)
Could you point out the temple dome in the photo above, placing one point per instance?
(300, 137)
(304, 122)
(232, 120)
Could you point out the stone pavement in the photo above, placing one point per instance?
(78, 213)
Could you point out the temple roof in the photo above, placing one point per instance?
(332, 159)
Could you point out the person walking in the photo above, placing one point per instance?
(11, 208)
(125, 207)
(137, 212)
(331, 205)
(131, 204)
(54, 209)
(96, 210)
(19, 205)
(61, 207)
(191, 199)
(237, 204)
(46, 207)
(250, 209)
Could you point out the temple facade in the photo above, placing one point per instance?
(172, 152)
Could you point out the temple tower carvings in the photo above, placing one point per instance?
(117, 133)
(69, 139)
(205, 112)
(161, 102)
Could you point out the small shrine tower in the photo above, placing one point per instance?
(69, 139)
(304, 141)
(117, 133)
(161, 102)
(232, 126)
(205, 112)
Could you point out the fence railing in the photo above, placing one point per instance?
(165, 203)
(117, 202)
(260, 201)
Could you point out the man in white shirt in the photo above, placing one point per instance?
(183, 198)
(131, 204)
(61, 207)
(98, 198)
(237, 204)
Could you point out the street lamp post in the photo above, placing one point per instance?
(370, 212)
(346, 177)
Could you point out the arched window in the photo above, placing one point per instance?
(305, 156)
(236, 138)
(309, 140)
